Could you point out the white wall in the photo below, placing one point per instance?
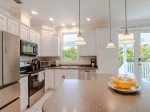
(107, 59)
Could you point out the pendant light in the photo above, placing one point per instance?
(110, 44)
(80, 40)
(126, 39)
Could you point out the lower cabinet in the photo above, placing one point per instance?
(55, 77)
(61, 75)
(49, 79)
(24, 93)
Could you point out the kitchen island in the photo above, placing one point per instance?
(95, 96)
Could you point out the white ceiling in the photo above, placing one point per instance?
(66, 11)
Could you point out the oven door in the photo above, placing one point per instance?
(36, 82)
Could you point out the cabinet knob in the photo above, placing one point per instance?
(63, 76)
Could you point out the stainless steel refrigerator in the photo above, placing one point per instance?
(9, 72)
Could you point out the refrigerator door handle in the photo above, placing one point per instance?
(5, 46)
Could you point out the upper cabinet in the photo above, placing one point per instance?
(3, 22)
(24, 32)
(46, 43)
(55, 45)
(33, 36)
(49, 44)
(38, 41)
(13, 27)
(90, 48)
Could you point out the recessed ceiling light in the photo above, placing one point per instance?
(34, 12)
(51, 19)
(63, 24)
(88, 19)
(73, 24)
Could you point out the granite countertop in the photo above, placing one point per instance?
(73, 67)
(95, 96)
(59, 67)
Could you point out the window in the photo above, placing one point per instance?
(69, 48)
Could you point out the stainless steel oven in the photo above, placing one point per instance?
(36, 87)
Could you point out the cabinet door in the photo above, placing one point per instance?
(24, 32)
(38, 41)
(13, 27)
(33, 36)
(72, 74)
(3, 22)
(24, 93)
(59, 79)
(55, 45)
(46, 80)
(46, 43)
(60, 75)
(49, 79)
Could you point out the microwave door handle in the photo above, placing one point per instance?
(34, 50)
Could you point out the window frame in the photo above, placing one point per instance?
(62, 61)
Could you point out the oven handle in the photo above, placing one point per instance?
(37, 73)
(34, 74)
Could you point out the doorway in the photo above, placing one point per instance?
(134, 58)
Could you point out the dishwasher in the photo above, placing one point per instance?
(86, 74)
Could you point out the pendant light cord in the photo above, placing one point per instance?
(110, 19)
(79, 19)
(126, 23)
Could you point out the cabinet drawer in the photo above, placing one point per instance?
(13, 107)
(9, 94)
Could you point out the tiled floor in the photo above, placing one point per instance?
(37, 107)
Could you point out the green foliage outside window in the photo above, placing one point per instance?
(70, 54)
(145, 54)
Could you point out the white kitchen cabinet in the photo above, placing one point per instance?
(72, 74)
(50, 44)
(49, 79)
(33, 36)
(38, 41)
(55, 45)
(13, 27)
(61, 75)
(24, 93)
(3, 22)
(90, 48)
(24, 32)
(46, 45)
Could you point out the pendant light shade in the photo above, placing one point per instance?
(110, 44)
(80, 40)
(126, 39)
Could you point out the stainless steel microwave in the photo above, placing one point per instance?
(45, 63)
(28, 48)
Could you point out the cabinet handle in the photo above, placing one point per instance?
(63, 76)
(5, 46)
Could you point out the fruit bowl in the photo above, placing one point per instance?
(123, 82)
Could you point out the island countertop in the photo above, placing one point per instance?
(95, 96)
